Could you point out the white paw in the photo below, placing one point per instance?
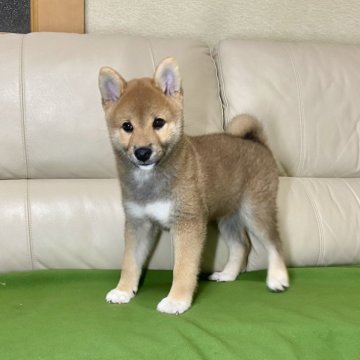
(222, 276)
(278, 280)
(116, 296)
(172, 306)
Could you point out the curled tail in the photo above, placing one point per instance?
(247, 127)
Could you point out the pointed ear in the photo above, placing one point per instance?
(111, 84)
(167, 76)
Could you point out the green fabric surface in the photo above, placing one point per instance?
(62, 314)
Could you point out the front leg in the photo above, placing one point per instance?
(139, 239)
(189, 238)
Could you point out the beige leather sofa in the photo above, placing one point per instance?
(60, 203)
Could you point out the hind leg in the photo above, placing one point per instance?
(261, 222)
(238, 243)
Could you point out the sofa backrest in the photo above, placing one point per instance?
(305, 94)
(52, 124)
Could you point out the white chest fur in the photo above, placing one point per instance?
(157, 211)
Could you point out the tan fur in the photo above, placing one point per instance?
(231, 178)
(245, 125)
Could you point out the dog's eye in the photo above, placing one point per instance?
(127, 127)
(158, 123)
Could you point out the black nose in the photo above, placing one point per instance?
(143, 153)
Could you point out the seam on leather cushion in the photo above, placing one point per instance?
(22, 105)
(301, 110)
(28, 222)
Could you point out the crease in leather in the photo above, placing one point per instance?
(334, 200)
(351, 189)
(217, 74)
(320, 258)
(223, 96)
(300, 165)
(340, 154)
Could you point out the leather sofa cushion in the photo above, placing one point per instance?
(54, 125)
(319, 221)
(78, 223)
(307, 96)
(65, 223)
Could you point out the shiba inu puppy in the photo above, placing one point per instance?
(177, 182)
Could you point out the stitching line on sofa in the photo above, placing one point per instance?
(26, 220)
(300, 109)
(28, 211)
(351, 189)
(26, 159)
(22, 106)
(320, 259)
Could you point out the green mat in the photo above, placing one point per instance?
(62, 315)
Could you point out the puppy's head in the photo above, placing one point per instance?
(144, 116)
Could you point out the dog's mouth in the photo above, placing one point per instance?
(145, 165)
(149, 166)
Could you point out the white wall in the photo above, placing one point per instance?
(212, 20)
